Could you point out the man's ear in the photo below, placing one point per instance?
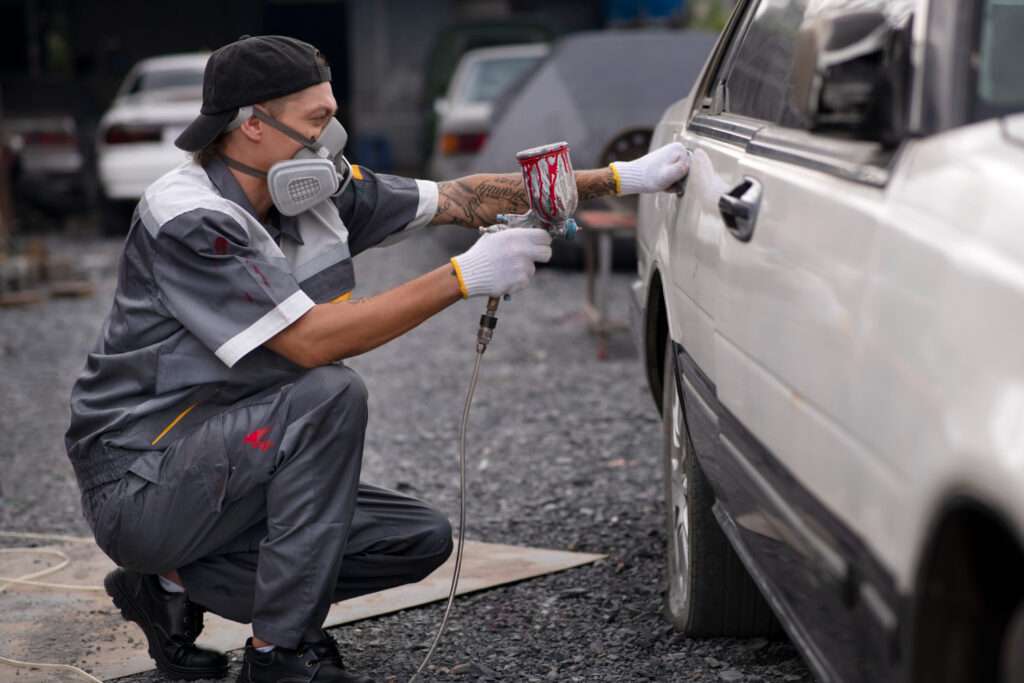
(252, 129)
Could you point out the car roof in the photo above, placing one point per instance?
(175, 61)
(506, 51)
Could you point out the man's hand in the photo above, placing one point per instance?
(654, 172)
(502, 262)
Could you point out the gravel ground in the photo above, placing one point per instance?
(563, 453)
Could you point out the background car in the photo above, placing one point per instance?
(588, 93)
(46, 167)
(453, 42)
(135, 139)
(464, 113)
(829, 315)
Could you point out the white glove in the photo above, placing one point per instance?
(501, 262)
(653, 172)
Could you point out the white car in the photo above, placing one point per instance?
(464, 114)
(135, 140)
(830, 315)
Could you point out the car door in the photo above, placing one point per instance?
(773, 249)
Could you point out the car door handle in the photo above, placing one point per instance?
(739, 207)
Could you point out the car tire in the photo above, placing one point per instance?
(709, 591)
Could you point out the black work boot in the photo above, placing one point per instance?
(171, 623)
(312, 662)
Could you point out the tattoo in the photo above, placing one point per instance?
(594, 184)
(477, 200)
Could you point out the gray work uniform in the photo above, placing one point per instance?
(198, 449)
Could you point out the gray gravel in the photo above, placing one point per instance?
(564, 453)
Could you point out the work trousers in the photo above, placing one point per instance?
(260, 510)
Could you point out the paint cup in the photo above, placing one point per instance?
(550, 184)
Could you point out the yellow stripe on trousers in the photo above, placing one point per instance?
(175, 421)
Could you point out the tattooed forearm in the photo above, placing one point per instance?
(594, 184)
(477, 200)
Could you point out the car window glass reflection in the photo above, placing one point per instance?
(760, 81)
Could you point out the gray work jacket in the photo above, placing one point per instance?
(202, 284)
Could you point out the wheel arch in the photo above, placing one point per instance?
(655, 335)
(966, 590)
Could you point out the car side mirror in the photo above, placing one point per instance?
(851, 76)
(441, 106)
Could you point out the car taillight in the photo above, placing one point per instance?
(120, 134)
(51, 138)
(462, 143)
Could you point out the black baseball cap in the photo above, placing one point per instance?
(250, 70)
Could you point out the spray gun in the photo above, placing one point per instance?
(551, 191)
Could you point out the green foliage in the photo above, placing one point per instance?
(710, 15)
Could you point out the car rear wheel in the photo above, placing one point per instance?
(709, 591)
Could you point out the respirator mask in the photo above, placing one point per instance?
(317, 172)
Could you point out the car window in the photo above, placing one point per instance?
(165, 78)
(998, 60)
(489, 78)
(759, 81)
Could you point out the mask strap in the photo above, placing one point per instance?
(287, 130)
(242, 168)
(347, 176)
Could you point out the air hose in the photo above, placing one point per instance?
(29, 580)
(488, 321)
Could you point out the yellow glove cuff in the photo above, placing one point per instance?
(458, 275)
(618, 178)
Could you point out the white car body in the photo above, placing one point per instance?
(126, 169)
(481, 77)
(863, 341)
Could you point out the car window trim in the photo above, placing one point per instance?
(858, 161)
(729, 128)
(865, 163)
(720, 57)
(722, 78)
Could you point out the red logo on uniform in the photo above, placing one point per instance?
(256, 440)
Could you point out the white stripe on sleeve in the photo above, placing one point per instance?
(426, 209)
(280, 317)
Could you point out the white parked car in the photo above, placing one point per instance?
(830, 315)
(464, 114)
(135, 140)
